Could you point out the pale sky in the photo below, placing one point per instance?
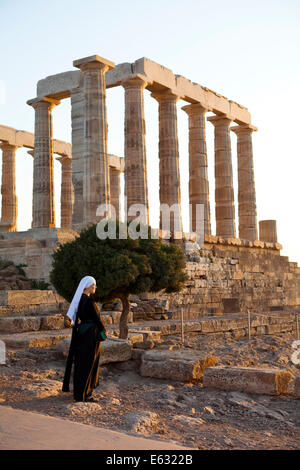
(246, 51)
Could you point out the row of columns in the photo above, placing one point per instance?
(96, 181)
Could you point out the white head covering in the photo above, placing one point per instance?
(85, 282)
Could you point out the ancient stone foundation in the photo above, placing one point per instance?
(229, 275)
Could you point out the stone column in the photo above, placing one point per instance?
(115, 190)
(268, 231)
(67, 193)
(96, 176)
(136, 187)
(246, 183)
(224, 193)
(8, 188)
(43, 213)
(198, 175)
(169, 171)
(77, 120)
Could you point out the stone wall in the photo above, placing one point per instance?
(229, 275)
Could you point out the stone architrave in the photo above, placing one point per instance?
(246, 183)
(43, 213)
(169, 171)
(136, 186)
(115, 190)
(198, 175)
(224, 193)
(96, 174)
(67, 193)
(9, 211)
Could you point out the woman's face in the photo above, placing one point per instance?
(91, 289)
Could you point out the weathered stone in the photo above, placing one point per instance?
(52, 322)
(183, 365)
(297, 386)
(30, 297)
(19, 324)
(112, 350)
(249, 380)
(141, 421)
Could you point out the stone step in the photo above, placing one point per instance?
(32, 310)
(38, 339)
(22, 323)
(236, 324)
(29, 297)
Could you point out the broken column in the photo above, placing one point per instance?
(95, 167)
(268, 231)
(43, 213)
(9, 211)
(169, 171)
(198, 176)
(224, 193)
(136, 187)
(246, 183)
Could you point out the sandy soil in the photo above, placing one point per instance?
(182, 412)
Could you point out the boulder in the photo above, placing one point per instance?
(248, 379)
(182, 365)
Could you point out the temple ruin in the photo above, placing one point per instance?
(90, 176)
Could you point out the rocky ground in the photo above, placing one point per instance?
(185, 413)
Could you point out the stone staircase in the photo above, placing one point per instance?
(37, 319)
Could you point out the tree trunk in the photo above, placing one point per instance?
(124, 317)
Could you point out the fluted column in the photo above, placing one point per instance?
(198, 174)
(115, 190)
(136, 187)
(95, 168)
(224, 193)
(169, 171)
(9, 211)
(43, 213)
(67, 193)
(246, 183)
(77, 121)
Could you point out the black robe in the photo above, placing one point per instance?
(84, 350)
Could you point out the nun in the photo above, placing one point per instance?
(87, 334)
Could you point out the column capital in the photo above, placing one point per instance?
(63, 158)
(136, 81)
(220, 120)
(195, 108)
(93, 62)
(49, 102)
(165, 95)
(7, 146)
(31, 152)
(243, 129)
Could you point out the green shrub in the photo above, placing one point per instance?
(120, 266)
